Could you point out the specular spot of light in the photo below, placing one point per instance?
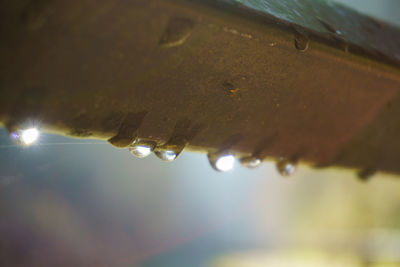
(225, 163)
(29, 136)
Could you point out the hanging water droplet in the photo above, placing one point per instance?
(25, 137)
(250, 162)
(177, 31)
(166, 154)
(172, 149)
(286, 167)
(142, 148)
(301, 42)
(221, 162)
(366, 174)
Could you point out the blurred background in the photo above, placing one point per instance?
(74, 202)
(387, 10)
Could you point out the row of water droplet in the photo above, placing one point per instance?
(221, 161)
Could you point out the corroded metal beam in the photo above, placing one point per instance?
(213, 75)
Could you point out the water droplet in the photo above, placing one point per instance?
(25, 137)
(30, 136)
(286, 167)
(366, 174)
(172, 149)
(127, 132)
(142, 148)
(177, 31)
(250, 162)
(166, 155)
(221, 162)
(301, 42)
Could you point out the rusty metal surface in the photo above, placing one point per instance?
(222, 75)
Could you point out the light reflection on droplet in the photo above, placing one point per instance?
(366, 174)
(26, 137)
(166, 154)
(286, 167)
(142, 149)
(172, 149)
(222, 162)
(250, 162)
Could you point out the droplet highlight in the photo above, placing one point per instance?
(366, 174)
(26, 137)
(221, 162)
(166, 155)
(172, 149)
(250, 162)
(286, 167)
(142, 148)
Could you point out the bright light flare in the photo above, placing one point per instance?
(141, 151)
(225, 163)
(29, 136)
